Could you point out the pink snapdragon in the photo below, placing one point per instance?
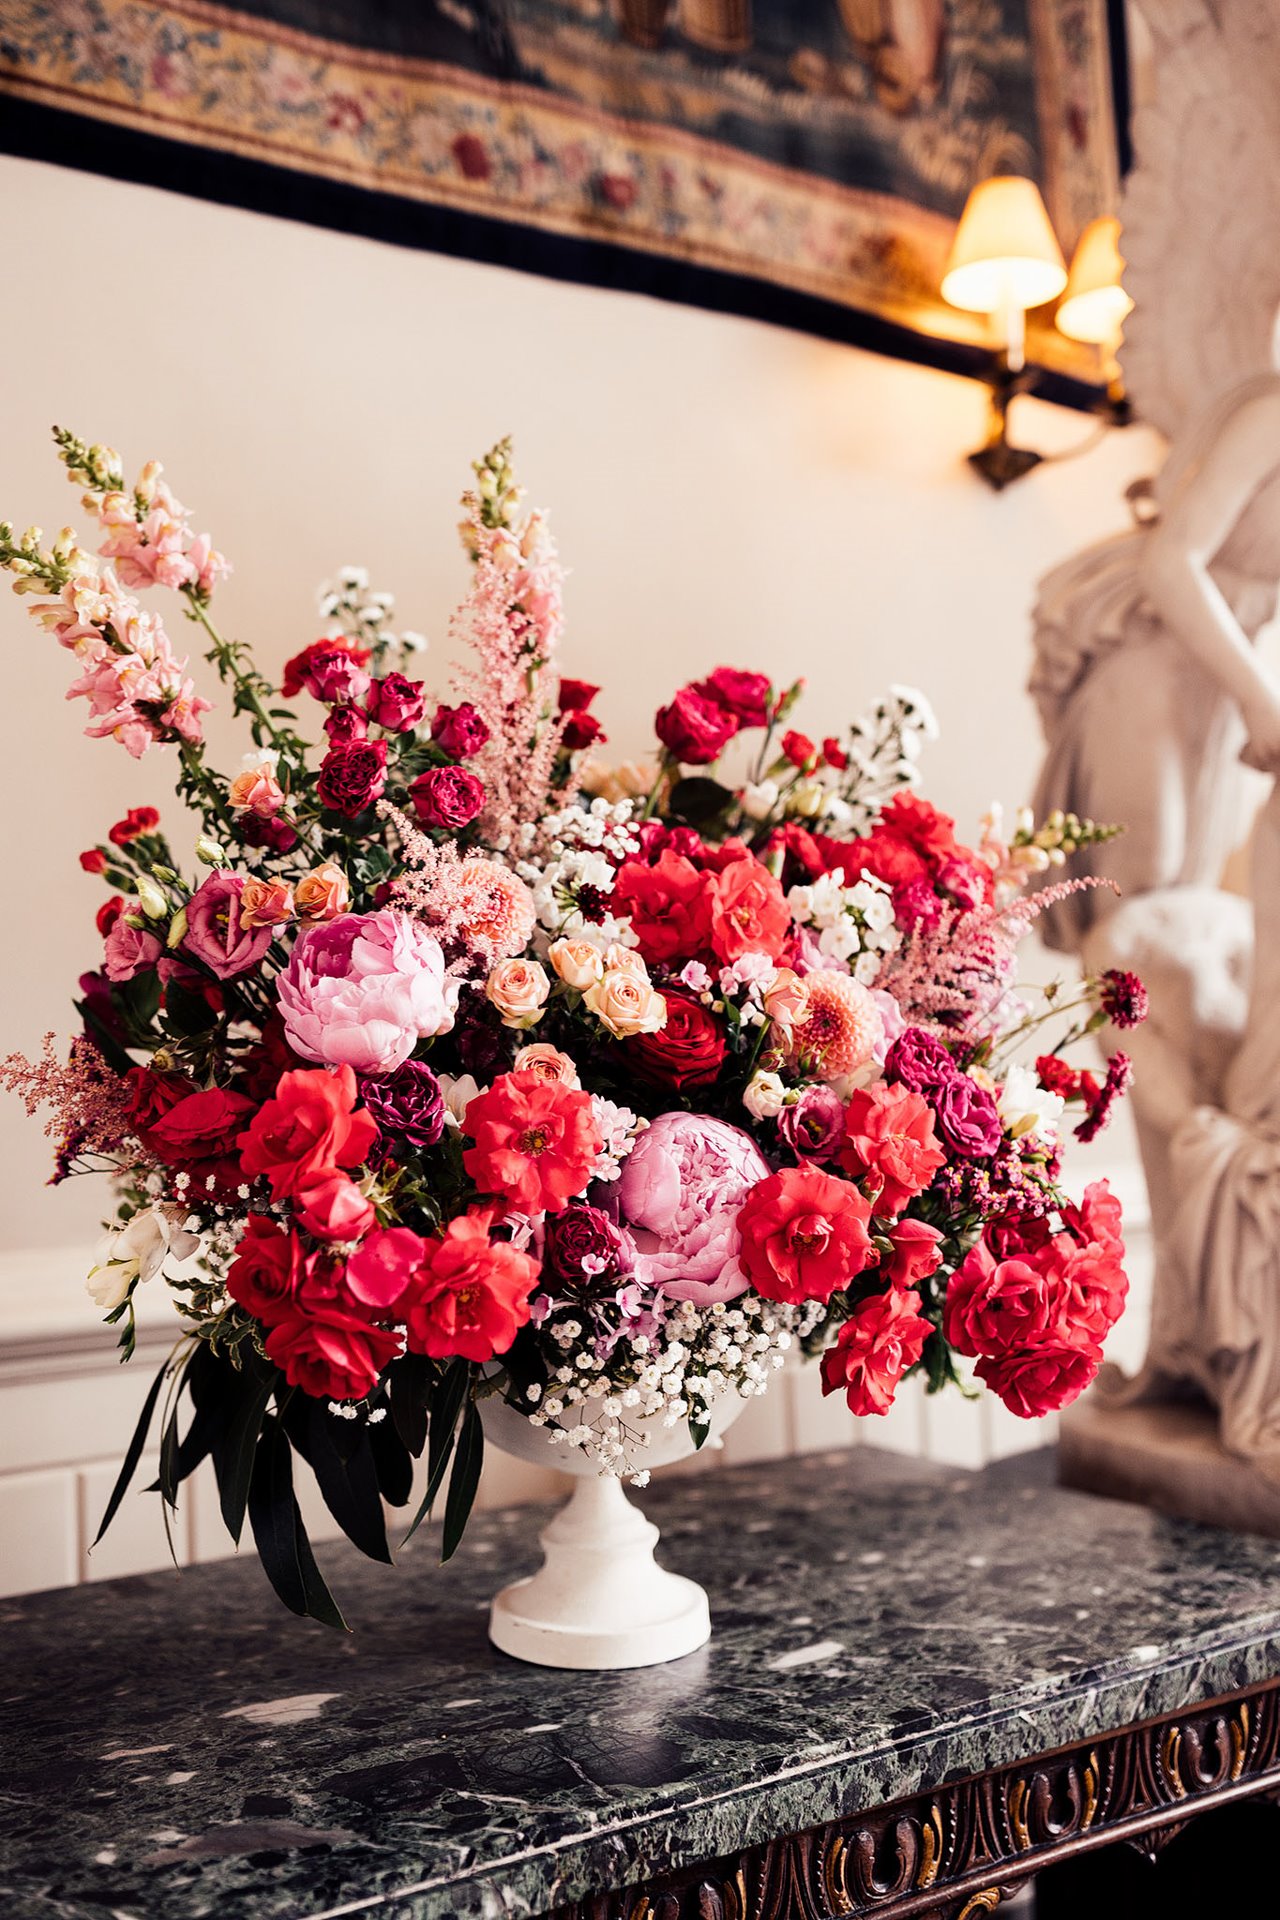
(138, 693)
(158, 549)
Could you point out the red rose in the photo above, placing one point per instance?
(459, 731)
(334, 1357)
(749, 913)
(200, 1126)
(919, 823)
(1096, 1287)
(582, 730)
(93, 860)
(352, 776)
(535, 1142)
(470, 1295)
(998, 1306)
(688, 1052)
(799, 749)
(669, 904)
(888, 856)
(889, 1142)
(447, 797)
(834, 754)
(108, 913)
(153, 1094)
(307, 1132)
(334, 1209)
(1017, 1236)
(917, 1252)
(882, 1339)
(695, 729)
(1040, 1380)
(576, 695)
(264, 1275)
(804, 1234)
(396, 703)
(308, 668)
(137, 821)
(745, 695)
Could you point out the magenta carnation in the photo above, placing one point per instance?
(361, 991)
(681, 1190)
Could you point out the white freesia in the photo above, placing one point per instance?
(458, 1095)
(138, 1250)
(1025, 1107)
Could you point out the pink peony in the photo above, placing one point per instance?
(681, 1190)
(363, 990)
(216, 932)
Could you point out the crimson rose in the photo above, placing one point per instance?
(447, 797)
(459, 731)
(688, 1052)
(352, 776)
(694, 728)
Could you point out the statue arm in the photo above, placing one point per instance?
(1176, 574)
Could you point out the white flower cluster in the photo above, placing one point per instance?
(619, 1131)
(361, 615)
(609, 1405)
(580, 849)
(884, 747)
(851, 924)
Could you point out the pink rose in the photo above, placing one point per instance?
(447, 797)
(396, 703)
(129, 950)
(1039, 1380)
(681, 1190)
(217, 932)
(363, 990)
(335, 1209)
(459, 731)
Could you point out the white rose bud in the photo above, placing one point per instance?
(208, 851)
(150, 899)
(764, 1096)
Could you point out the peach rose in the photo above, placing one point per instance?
(618, 959)
(626, 1004)
(631, 781)
(577, 963)
(786, 1001)
(266, 903)
(548, 1063)
(518, 989)
(323, 894)
(257, 790)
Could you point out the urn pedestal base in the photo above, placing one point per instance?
(600, 1600)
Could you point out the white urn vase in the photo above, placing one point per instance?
(600, 1600)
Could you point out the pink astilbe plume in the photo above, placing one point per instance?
(477, 908)
(89, 1105)
(955, 973)
(510, 621)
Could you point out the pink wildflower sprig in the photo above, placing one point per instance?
(478, 909)
(89, 1105)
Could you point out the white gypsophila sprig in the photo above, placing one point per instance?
(884, 746)
(355, 611)
(569, 862)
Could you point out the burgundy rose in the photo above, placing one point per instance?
(576, 695)
(745, 695)
(273, 830)
(583, 1244)
(695, 729)
(687, 1052)
(919, 1060)
(352, 777)
(582, 730)
(1015, 1235)
(396, 703)
(344, 725)
(459, 731)
(447, 797)
(967, 1118)
(407, 1104)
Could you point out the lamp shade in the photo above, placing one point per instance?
(1004, 253)
(1095, 304)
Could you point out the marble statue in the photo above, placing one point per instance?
(1152, 694)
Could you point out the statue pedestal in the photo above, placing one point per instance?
(1168, 1456)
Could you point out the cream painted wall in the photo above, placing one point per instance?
(721, 490)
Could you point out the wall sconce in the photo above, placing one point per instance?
(1095, 305)
(1004, 260)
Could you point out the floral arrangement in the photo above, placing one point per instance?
(475, 1067)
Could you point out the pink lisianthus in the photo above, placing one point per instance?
(129, 950)
(363, 990)
(217, 932)
(681, 1191)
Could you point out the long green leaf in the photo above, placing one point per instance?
(348, 1480)
(233, 1454)
(129, 1465)
(279, 1534)
(446, 1405)
(463, 1481)
(393, 1461)
(410, 1384)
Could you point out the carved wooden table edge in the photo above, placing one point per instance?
(954, 1852)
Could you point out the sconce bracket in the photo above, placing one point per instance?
(1000, 464)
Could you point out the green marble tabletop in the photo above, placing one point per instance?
(177, 1747)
